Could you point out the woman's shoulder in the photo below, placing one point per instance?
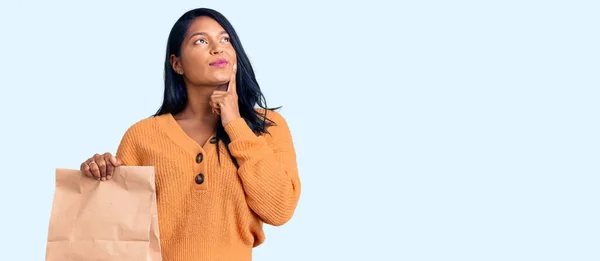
(276, 121)
(271, 114)
(145, 125)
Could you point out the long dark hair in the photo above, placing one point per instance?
(249, 93)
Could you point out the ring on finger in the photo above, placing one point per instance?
(90, 164)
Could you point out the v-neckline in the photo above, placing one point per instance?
(172, 128)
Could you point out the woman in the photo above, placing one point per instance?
(223, 167)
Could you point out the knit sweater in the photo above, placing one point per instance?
(208, 211)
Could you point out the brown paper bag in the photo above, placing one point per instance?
(113, 220)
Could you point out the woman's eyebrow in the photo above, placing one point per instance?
(203, 33)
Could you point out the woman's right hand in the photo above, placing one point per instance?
(100, 166)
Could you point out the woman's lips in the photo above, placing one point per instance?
(219, 63)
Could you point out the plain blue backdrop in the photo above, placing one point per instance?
(425, 130)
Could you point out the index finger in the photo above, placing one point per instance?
(232, 84)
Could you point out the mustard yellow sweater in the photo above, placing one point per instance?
(212, 212)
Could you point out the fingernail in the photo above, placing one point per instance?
(114, 160)
(103, 178)
(108, 177)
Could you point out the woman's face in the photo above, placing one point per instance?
(207, 56)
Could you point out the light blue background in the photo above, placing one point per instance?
(425, 130)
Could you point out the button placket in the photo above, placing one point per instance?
(200, 177)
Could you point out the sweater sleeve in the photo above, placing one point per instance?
(267, 168)
(127, 150)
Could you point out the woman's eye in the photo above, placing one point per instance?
(203, 41)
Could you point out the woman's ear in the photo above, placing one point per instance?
(176, 64)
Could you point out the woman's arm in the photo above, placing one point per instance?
(267, 168)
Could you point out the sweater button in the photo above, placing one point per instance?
(200, 179)
(199, 157)
(213, 140)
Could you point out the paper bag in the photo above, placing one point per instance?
(113, 220)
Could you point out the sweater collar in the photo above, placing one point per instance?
(172, 129)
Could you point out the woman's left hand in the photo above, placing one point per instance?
(225, 103)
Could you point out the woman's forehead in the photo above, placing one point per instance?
(206, 25)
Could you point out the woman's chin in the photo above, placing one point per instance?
(220, 79)
(213, 80)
